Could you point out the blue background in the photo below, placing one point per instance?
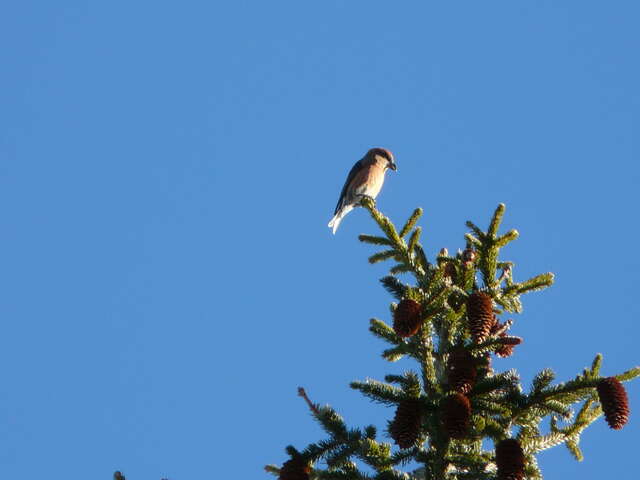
(167, 169)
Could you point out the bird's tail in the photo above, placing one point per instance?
(337, 218)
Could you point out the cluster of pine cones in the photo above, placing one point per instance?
(462, 367)
(462, 370)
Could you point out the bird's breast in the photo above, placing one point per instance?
(371, 181)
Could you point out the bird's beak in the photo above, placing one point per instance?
(393, 167)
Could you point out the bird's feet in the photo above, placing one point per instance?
(364, 197)
(367, 200)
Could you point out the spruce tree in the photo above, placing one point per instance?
(447, 320)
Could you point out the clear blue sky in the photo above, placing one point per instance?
(167, 170)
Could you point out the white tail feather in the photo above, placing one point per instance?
(335, 221)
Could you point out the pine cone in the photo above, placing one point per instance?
(498, 328)
(407, 318)
(295, 469)
(480, 315)
(456, 415)
(407, 423)
(615, 403)
(461, 370)
(510, 460)
(506, 349)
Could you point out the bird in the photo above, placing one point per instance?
(364, 180)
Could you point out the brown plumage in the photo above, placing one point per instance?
(364, 180)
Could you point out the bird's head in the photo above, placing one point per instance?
(385, 155)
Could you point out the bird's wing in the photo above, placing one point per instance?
(354, 171)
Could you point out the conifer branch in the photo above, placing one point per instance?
(473, 240)
(542, 380)
(479, 234)
(496, 220)
(312, 406)
(427, 360)
(492, 343)
(331, 422)
(448, 322)
(379, 392)
(629, 374)
(273, 469)
(384, 331)
(381, 256)
(595, 365)
(374, 240)
(544, 442)
(396, 353)
(394, 286)
(414, 239)
(403, 254)
(538, 282)
(408, 381)
(411, 222)
(508, 237)
(420, 257)
(400, 268)
(505, 381)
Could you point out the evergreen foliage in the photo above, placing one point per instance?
(455, 399)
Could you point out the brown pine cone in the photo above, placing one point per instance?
(407, 318)
(407, 423)
(295, 469)
(456, 415)
(506, 349)
(614, 401)
(480, 315)
(461, 370)
(510, 460)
